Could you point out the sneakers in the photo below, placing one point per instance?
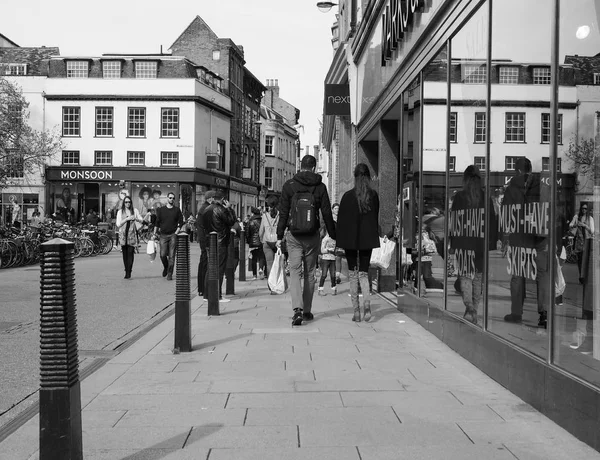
(307, 316)
(297, 318)
(165, 271)
(510, 318)
(254, 278)
(334, 290)
(321, 291)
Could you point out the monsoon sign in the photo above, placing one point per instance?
(86, 174)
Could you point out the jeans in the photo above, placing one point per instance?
(471, 290)
(430, 281)
(222, 251)
(202, 266)
(518, 285)
(303, 252)
(269, 256)
(258, 259)
(168, 245)
(128, 256)
(327, 266)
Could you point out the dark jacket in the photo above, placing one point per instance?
(219, 219)
(358, 231)
(200, 224)
(252, 232)
(305, 179)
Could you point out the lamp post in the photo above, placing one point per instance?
(325, 7)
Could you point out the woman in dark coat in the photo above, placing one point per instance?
(358, 216)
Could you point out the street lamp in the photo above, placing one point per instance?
(324, 7)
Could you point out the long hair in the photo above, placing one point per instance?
(124, 208)
(272, 203)
(472, 186)
(362, 187)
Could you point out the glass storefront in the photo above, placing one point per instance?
(499, 186)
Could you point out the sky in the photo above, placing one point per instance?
(288, 40)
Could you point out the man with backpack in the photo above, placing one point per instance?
(301, 199)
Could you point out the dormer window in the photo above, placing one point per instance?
(541, 76)
(16, 69)
(597, 79)
(146, 69)
(111, 69)
(77, 69)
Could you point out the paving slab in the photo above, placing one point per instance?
(251, 437)
(305, 453)
(207, 416)
(321, 416)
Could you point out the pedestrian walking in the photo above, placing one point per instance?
(203, 240)
(359, 217)
(268, 231)
(328, 264)
(254, 243)
(302, 197)
(335, 209)
(582, 228)
(127, 216)
(219, 217)
(169, 220)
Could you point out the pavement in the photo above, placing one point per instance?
(254, 387)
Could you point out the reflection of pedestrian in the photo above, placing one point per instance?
(145, 200)
(268, 231)
(127, 216)
(254, 242)
(426, 253)
(583, 226)
(203, 240)
(469, 246)
(358, 221)
(63, 204)
(527, 253)
(169, 221)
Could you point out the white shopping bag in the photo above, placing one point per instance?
(277, 279)
(151, 250)
(382, 256)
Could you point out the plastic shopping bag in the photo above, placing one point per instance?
(382, 256)
(277, 279)
(560, 284)
(151, 250)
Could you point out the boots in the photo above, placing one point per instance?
(471, 315)
(363, 279)
(353, 278)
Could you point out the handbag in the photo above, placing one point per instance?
(382, 256)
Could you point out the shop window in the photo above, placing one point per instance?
(269, 178)
(136, 122)
(77, 69)
(541, 76)
(546, 128)
(453, 127)
(103, 157)
(221, 153)
(146, 69)
(70, 157)
(474, 74)
(136, 158)
(13, 164)
(546, 164)
(169, 122)
(169, 158)
(480, 163)
(71, 121)
(509, 75)
(480, 122)
(268, 145)
(111, 69)
(104, 121)
(515, 127)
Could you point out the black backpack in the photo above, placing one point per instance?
(304, 217)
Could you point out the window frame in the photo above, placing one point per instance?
(596, 78)
(511, 160)
(110, 124)
(99, 153)
(130, 123)
(545, 128)
(510, 78)
(66, 124)
(480, 160)
(169, 152)
(144, 74)
(221, 144)
(511, 134)
(15, 69)
(452, 163)
(269, 178)
(479, 131)
(76, 154)
(544, 79)
(14, 162)
(476, 76)
(77, 72)
(131, 153)
(269, 145)
(546, 164)
(117, 72)
(453, 129)
(163, 123)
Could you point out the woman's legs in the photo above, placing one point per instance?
(125, 259)
(254, 263)
(323, 275)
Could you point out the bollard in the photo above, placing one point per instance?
(230, 268)
(212, 275)
(243, 260)
(60, 392)
(183, 311)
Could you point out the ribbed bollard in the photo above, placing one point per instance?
(183, 312)
(230, 267)
(243, 261)
(60, 393)
(212, 275)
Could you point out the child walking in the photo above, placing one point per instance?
(327, 264)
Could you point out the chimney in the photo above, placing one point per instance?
(273, 86)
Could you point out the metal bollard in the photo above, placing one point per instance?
(243, 261)
(212, 274)
(183, 311)
(60, 392)
(230, 268)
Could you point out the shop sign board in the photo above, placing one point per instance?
(397, 20)
(220, 182)
(337, 99)
(250, 189)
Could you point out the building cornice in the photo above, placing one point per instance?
(503, 103)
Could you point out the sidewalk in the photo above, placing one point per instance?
(256, 388)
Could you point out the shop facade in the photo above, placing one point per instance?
(437, 86)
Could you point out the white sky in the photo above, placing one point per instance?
(288, 40)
